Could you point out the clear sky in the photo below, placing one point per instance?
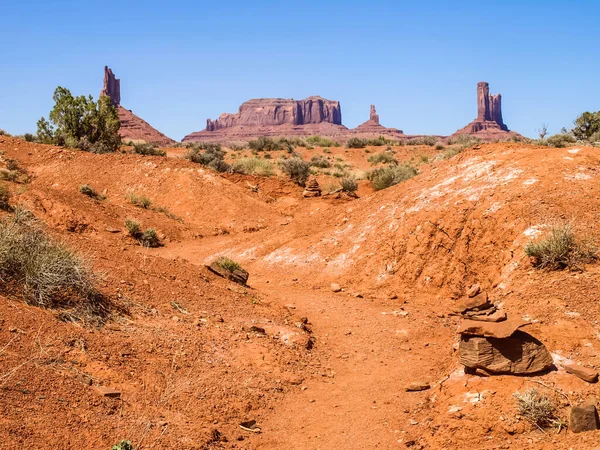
(181, 62)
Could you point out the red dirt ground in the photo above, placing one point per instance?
(182, 351)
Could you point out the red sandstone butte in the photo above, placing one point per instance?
(372, 127)
(275, 117)
(132, 126)
(489, 123)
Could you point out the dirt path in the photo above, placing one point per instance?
(355, 397)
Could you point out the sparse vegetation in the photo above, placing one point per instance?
(536, 408)
(384, 177)
(465, 140)
(560, 140)
(148, 149)
(133, 228)
(319, 141)
(79, 122)
(319, 162)
(265, 144)
(4, 197)
(561, 249)
(148, 238)
(3, 133)
(356, 143)
(123, 445)
(140, 200)
(297, 169)
(46, 272)
(422, 140)
(383, 157)
(349, 185)
(586, 126)
(86, 189)
(228, 264)
(253, 166)
(208, 154)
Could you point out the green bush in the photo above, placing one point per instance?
(123, 445)
(86, 189)
(79, 122)
(561, 249)
(422, 140)
(356, 143)
(265, 144)
(349, 184)
(560, 140)
(228, 264)
(587, 125)
(3, 133)
(320, 162)
(253, 166)
(47, 272)
(297, 169)
(148, 150)
(133, 228)
(384, 177)
(319, 141)
(4, 197)
(209, 155)
(384, 157)
(149, 238)
(140, 200)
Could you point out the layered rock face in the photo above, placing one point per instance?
(373, 128)
(279, 111)
(112, 87)
(489, 123)
(132, 126)
(275, 117)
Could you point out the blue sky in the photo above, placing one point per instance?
(182, 62)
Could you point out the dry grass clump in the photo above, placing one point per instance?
(386, 176)
(537, 409)
(349, 185)
(86, 189)
(147, 238)
(46, 273)
(140, 200)
(228, 264)
(253, 166)
(561, 249)
(148, 149)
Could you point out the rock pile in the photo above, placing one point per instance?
(492, 342)
(312, 189)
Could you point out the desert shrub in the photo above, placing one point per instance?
(79, 122)
(238, 147)
(228, 264)
(209, 155)
(148, 150)
(21, 215)
(297, 169)
(384, 177)
(166, 212)
(586, 125)
(253, 166)
(536, 408)
(320, 141)
(327, 150)
(464, 139)
(451, 152)
(320, 162)
(560, 140)
(140, 200)
(292, 142)
(422, 140)
(424, 159)
(3, 133)
(561, 249)
(8, 175)
(149, 238)
(123, 445)
(86, 189)
(47, 272)
(265, 144)
(439, 146)
(349, 185)
(4, 197)
(383, 157)
(207, 146)
(356, 142)
(380, 141)
(133, 228)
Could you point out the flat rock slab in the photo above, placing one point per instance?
(585, 373)
(519, 354)
(583, 418)
(107, 391)
(416, 386)
(502, 329)
(478, 302)
(496, 316)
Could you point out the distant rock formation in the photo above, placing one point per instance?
(132, 126)
(275, 117)
(489, 123)
(112, 87)
(372, 127)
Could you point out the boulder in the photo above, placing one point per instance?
(477, 302)
(502, 329)
(519, 354)
(583, 418)
(585, 373)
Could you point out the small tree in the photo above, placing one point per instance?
(542, 132)
(586, 125)
(79, 122)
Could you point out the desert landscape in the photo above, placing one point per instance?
(279, 280)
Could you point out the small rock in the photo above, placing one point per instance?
(478, 303)
(585, 373)
(335, 287)
(310, 343)
(112, 230)
(255, 329)
(583, 418)
(416, 386)
(474, 290)
(107, 392)
(496, 316)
